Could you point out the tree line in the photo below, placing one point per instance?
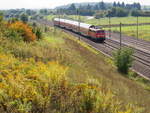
(99, 10)
(26, 14)
(103, 9)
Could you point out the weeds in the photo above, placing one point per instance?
(123, 59)
(34, 78)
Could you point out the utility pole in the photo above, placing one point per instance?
(109, 27)
(54, 27)
(59, 16)
(120, 35)
(137, 27)
(78, 13)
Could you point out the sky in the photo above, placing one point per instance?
(36, 4)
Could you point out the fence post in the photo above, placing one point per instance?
(120, 35)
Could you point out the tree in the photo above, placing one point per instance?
(123, 5)
(138, 5)
(118, 4)
(114, 4)
(135, 13)
(1, 16)
(29, 12)
(44, 11)
(117, 12)
(102, 5)
(89, 7)
(24, 18)
(121, 12)
(72, 7)
(38, 33)
(112, 12)
(13, 20)
(23, 30)
(100, 14)
(123, 59)
(96, 7)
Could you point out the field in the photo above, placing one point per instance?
(128, 30)
(114, 20)
(51, 17)
(104, 21)
(117, 20)
(143, 33)
(59, 73)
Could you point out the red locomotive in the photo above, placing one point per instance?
(85, 29)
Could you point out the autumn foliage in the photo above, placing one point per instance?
(30, 86)
(24, 30)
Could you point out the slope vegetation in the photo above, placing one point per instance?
(58, 74)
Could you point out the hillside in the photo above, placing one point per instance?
(144, 7)
(59, 74)
(81, 4)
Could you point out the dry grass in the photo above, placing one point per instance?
(86, 64)
(83, 62)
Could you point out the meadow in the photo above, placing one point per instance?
(128, 30)
(143, 32)
(113, 20)
(61, 74)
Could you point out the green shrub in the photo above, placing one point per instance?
(24, 18)
(1, 16)
(29, 86)
(123, 59)
(38, 33)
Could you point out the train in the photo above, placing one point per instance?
(93, 32)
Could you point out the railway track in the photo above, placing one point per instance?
(137, 43)
(141, 64)
(117, 25)
(142, 56)
(139, 55)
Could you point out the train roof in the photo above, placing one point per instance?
(84, 25)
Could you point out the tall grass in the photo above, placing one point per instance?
(51, 75)
(31, 86)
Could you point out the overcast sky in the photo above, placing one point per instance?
(34, 4)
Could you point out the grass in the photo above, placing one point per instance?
(132, 31)
(114, 20)
(38, 65)
(117, 20)
(82, 60)
(128, 30)
(55, 41)
(125, 89)
(75, 17)
(51, 17)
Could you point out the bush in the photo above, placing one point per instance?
(23, 30)
(38, 33)
(118, 12)
(140, 13)
(24, 18)
(123, 59)
(1, 16)
(28, 86)
(100, 14)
